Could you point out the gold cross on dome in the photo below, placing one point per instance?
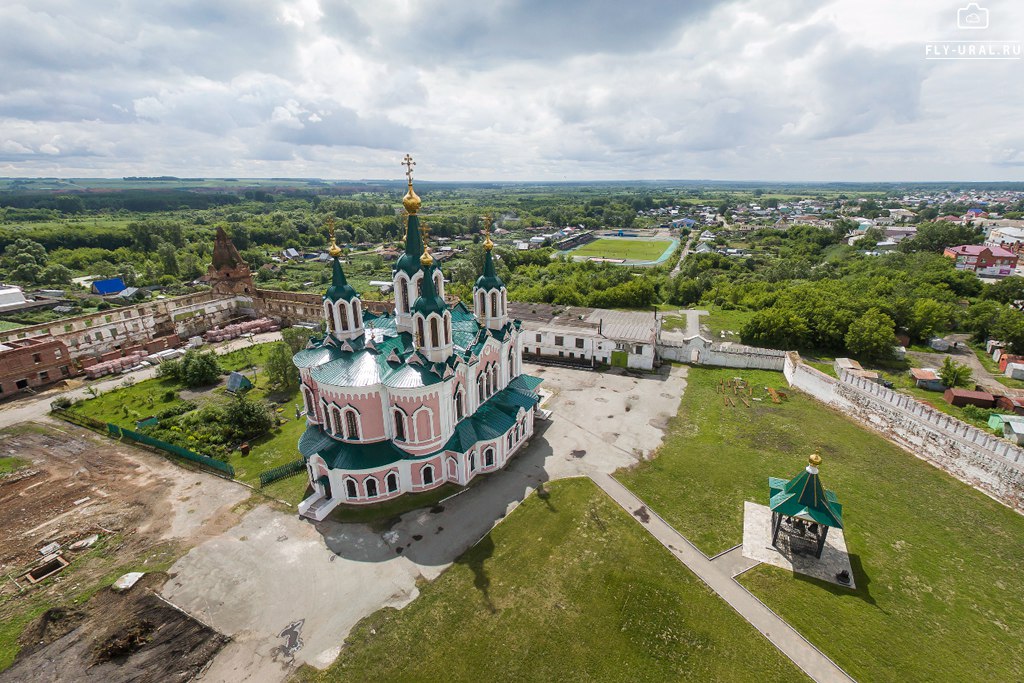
(487, 224)
(424, 231)
(408, 163)
(330, 226)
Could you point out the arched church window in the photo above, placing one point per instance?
(352, 425)
(419, 332)
(392, 482)
(350, 488)
(343, 316)
(494, 304)
(427, 474)
(489, 457)
(435, 335)
(458, 406)
(399, 425)
(371, 487)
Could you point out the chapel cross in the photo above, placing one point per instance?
(408, 163)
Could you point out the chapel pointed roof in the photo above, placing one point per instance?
(804, 496)
(489, 279)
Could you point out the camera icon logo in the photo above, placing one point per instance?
(972, 17)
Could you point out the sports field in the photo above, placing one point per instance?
(628, 248)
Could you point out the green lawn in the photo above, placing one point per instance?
(125, 405)
(731, 321)
(937, 563)
(632, 249)
(568, 588)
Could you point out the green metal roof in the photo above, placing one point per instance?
(492, 420)
(428, 301)
(803, 496)
(489, 280)
(340, 289)
(409, 262)
(348, 456)
(525, 383)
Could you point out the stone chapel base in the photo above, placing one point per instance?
(757, 545)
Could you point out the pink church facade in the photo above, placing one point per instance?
(408, 402)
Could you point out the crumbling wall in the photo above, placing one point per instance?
(969, 454)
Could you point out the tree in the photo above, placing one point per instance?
(248, 418)
(871, 336)
(281, 372)
(168, 258)
(1009, 290)
(1010, 329)
(194, 369)
(927, 317)
(296, 338)
(982, 318)
(55, 275)
(954, 374)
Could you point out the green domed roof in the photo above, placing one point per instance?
(409, 262)
(428, 301)
(340, 289)
(489, 280)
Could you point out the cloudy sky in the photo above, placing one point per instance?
(507, 89)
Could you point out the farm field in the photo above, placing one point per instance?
(627, 248)
(569, 587)
(924, 571)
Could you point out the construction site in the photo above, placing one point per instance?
(80, 511)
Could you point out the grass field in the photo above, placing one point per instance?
(935, 561)
(568, 588)
(631, 249)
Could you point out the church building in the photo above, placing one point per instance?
(406, 402)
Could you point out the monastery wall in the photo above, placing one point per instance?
(701, 351)
(973, 456)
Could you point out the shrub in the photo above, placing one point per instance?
(169, 396)
(60, 403)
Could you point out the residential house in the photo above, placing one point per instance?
(983, 260)
(108, 287)
(927, 378)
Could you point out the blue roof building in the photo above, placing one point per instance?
(107, 287)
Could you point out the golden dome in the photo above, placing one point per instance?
(334, 250)
(814, 460)
(488, 244)
(411, 200)
(427, 259)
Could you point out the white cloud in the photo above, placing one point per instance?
(518, 89)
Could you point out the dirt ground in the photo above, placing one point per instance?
(144, 511)
(115, 638)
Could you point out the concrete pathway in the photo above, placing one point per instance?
(719, 579)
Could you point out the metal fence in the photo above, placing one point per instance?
(80, 420)
(205, 460)
(281, 472)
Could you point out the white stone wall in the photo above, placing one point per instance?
(994, 465)
(700, 351)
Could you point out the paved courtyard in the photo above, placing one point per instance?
(288, 591)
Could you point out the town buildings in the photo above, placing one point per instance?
(983, 260)
(406, 402)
